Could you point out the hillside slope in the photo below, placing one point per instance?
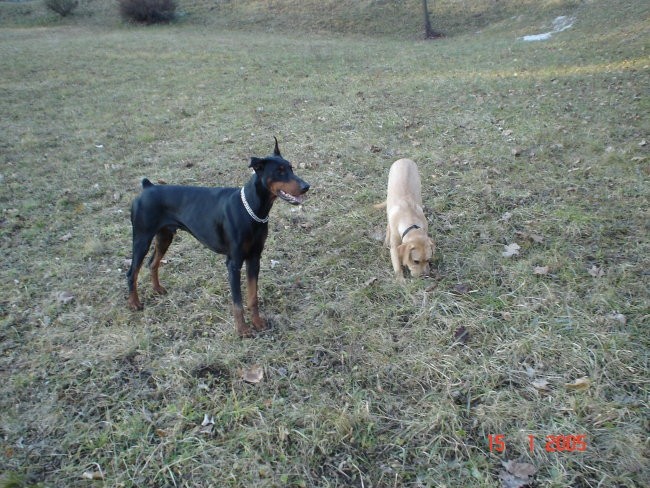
(402, 19)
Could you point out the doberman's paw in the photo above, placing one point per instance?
(245, 332)
(135, 304)
(160, 290)
(259, 323)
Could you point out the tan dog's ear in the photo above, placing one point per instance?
(402, 251)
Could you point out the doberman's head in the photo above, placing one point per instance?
(276, 175)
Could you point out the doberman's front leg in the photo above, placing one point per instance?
(234, 277)
(252, 273)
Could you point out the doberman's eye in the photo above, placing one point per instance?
(416, 261)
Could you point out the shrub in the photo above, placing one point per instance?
(148, 11)
(62, 7)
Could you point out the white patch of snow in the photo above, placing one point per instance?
(537, 37)
(560, 24)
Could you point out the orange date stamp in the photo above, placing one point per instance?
(554, 443)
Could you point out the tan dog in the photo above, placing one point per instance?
(406, 233)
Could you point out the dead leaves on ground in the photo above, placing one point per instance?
(64, 297)
(516, 475)
(540, 270)
(530, 236)
(461, 336)
(97, 475)
(207, 426)
(580, 384)
(541, 385)
(596, 271)
(544, 387)
(511, 250)
(253, 374)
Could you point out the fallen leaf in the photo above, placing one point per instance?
(511, 481)
(516, 475)
(462, 288)
(461, 335)
(92, 475)
(506, 216)
(520, 470)
(369, 282)
(64, 297)
(580, 384)
(536, 238)
(65, 237)
(349, 178)
(541, 385)
(617, 317)
(643, 143)
(596, 272)
(540, 270)
(253, 375)
(375, 149)
(510, 250)
(207, 425)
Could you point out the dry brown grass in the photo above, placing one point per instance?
(364, 383)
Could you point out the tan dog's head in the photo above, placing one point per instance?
(416, 254)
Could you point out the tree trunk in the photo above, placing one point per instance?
(429, 33)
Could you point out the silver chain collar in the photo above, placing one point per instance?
(250, 210)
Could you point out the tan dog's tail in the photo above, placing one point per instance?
(380, 205)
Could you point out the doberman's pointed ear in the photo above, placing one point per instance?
(276, 151)
(257, 164)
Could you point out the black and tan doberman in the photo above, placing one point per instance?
(230, 221)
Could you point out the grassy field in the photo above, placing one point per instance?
(366, 382)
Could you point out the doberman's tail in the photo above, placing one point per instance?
(380, 205)
(146, 183)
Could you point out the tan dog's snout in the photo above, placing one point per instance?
(416, 255)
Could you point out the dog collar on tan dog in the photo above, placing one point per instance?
(250, 210)
(414, 226)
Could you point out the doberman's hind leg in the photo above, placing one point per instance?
(252, 274)
(163, 239)
(141, 243)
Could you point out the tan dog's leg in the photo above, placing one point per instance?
(396, 259)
